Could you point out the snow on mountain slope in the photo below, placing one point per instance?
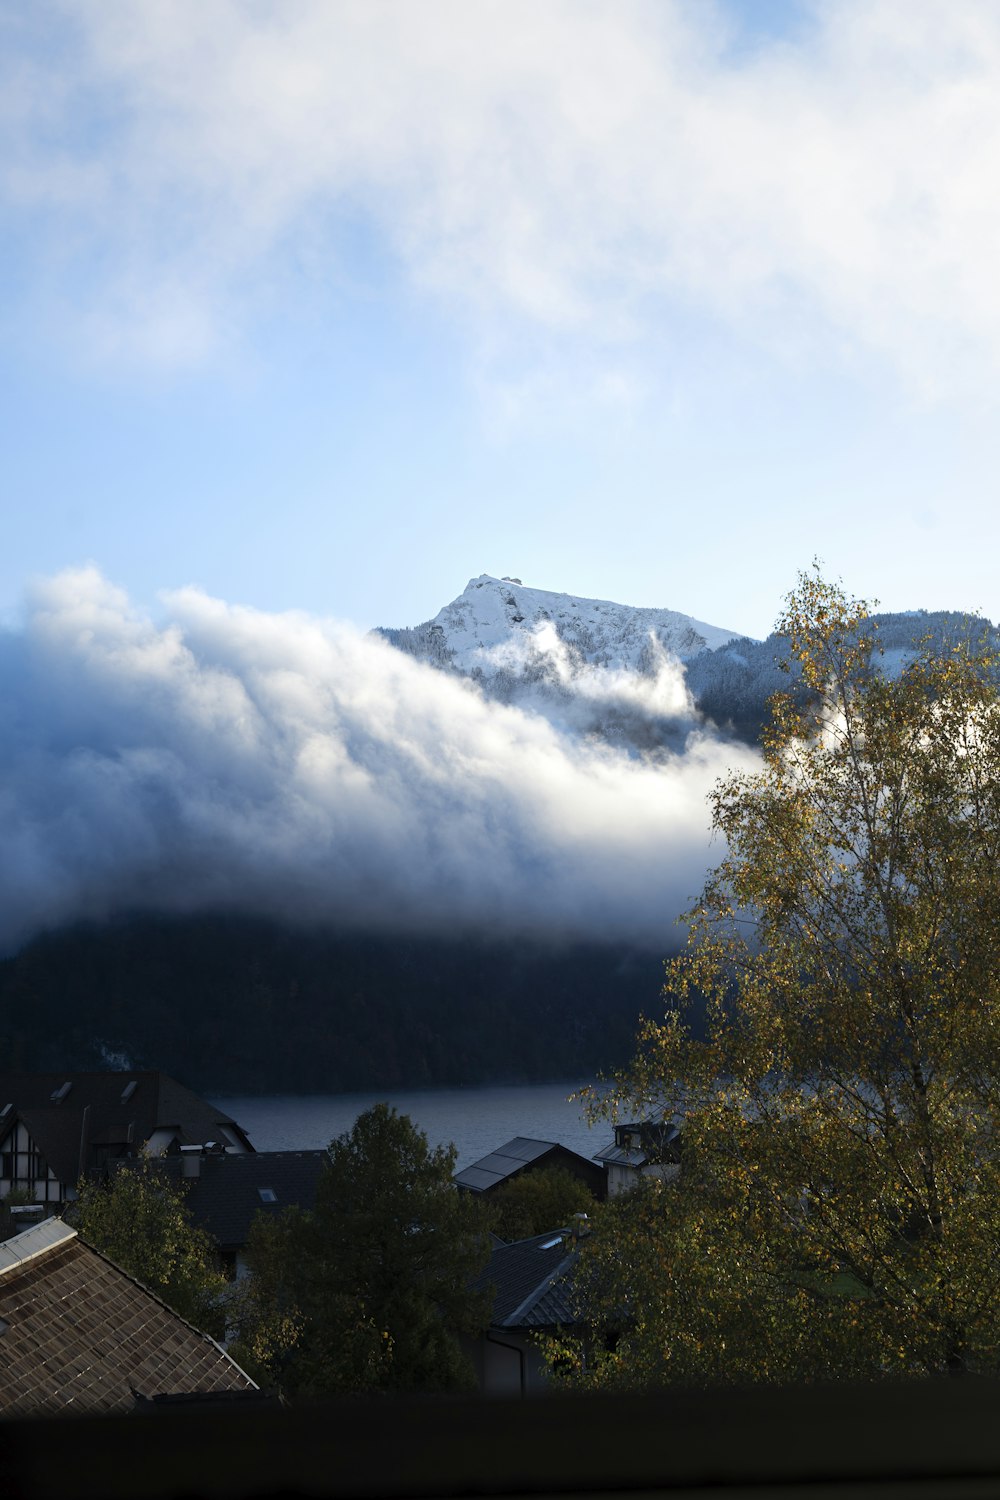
(589, 665)
(497, 622)
(641, 678)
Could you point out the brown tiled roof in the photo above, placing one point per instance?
(82, 1336)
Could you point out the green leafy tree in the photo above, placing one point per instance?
(838, 1208)
(533, 1202)
(290, 1330)
(370, 1291)
(139, 1219)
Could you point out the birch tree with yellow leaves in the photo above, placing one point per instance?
(831, 1045)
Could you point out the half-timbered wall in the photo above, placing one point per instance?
(22, 1168)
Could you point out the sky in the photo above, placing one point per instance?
(334, 306)
(310, 312)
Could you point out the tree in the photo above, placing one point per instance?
(533, 1202)
(292, 1330)
(371, 1290)
(139, 1219)
(838, 1208)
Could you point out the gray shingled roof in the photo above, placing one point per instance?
(532, 1281)
(615, 1156)
(226, 1196)
(78, 1335)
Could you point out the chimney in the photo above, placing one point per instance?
(191, 1161)
(82, 1167)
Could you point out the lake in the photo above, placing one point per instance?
(477, 1120)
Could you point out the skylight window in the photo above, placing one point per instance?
(128, 1091)
(58, 1095)
(267, 1195)
(551, 1244)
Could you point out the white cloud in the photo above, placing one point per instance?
(229, 759)
(578, 163)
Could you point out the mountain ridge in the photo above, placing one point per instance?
(642, 678)
(477, 628)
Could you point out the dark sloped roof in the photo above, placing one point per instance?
(226, 1195)
(516, 1156)
(82, 1336)
(532, 1282)
(104, 1109)
(59, 1135)
(641, 1142)
(555, 1306)
(618, 1156)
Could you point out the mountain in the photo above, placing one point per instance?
(235, 1003)
(590, 665)
(235, 995)
(641, 678)
(497, 624)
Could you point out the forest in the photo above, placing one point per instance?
(241, 1005)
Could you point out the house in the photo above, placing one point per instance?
(79, 1336)
(224, 1191)
(640, 1149)
(532, 1282)
(522, 1155)
(55, 1127)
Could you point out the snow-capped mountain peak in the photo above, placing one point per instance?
(591, 666)
(478, 629)
(639, 678)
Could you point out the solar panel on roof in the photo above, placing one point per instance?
(522, 1148)
(495, 1162)
(475, 1177)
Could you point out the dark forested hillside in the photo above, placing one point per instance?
(732, 685)
(235, 1004)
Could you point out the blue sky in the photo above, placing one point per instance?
(332, 306)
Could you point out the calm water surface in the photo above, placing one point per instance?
(476, 1120)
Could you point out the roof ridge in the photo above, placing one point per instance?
(512, 1319)
(51, 1233)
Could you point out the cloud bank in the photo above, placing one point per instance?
(642, 710)
(227, 759)
(573, 163)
